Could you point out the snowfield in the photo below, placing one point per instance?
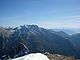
(33, 56)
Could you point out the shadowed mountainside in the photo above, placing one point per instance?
(26, 39)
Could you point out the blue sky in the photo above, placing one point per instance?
(44, 13)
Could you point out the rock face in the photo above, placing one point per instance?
(33, 56)
(27, 39)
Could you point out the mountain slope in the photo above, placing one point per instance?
(75, 38)
(4, 38)
(60, 33)
(31, 38)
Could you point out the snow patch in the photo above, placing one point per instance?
(33, 56)
(19, 27)
(26, 26)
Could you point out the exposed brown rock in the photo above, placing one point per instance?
(60, 57)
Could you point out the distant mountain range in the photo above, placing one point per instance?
(69, 31)
(25, 39)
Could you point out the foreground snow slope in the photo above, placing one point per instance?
(33, 56)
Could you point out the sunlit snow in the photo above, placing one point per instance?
(19, 27)
(26, 26)
(33, 56)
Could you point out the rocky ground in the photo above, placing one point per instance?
(48, 56)
(59, 57)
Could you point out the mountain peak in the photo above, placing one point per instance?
(28, 26)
